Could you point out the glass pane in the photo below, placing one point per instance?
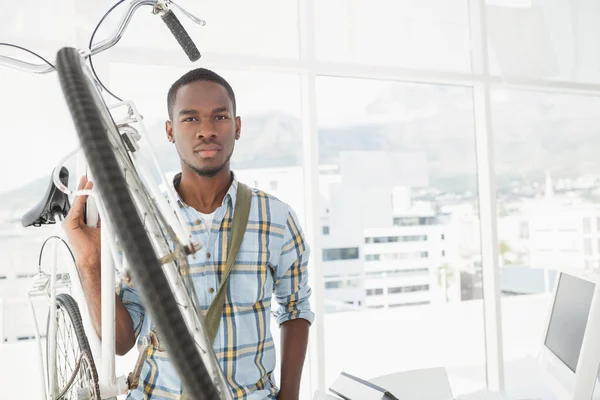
(428, 34)
(270, 147)
(545, 39)
(38, 133)
(545, 164)
(268, 154)
(40, 24)
(419, 303)
(232, 27)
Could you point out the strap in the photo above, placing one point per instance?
(212, 320)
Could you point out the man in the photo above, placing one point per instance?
(272, 260)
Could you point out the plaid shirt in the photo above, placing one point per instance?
(272, 262)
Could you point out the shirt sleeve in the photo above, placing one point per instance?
(132, 302)
(291, 289)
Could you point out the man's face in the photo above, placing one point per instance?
(204, 128)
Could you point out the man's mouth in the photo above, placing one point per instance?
(207, 151)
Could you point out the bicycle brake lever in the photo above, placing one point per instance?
(191, 16)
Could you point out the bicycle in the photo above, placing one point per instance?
(149, 245)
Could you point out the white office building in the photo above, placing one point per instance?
(565, 237)
(379, 249)
(407, 264)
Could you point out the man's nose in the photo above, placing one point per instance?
(206, 130)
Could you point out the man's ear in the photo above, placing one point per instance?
(238, 127)
(169, 131)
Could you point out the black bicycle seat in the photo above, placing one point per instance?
(54, 202)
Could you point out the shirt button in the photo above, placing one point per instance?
(211, 290)
(207, 255)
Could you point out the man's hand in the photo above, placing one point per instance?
(84, 240)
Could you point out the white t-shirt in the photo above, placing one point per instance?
(207, 219)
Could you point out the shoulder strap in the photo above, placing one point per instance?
(212, 320)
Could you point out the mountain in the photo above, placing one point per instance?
(533, 133)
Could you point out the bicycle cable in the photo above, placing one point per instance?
(68, 248)
(90, 47)
(29, 51)
(44, 244)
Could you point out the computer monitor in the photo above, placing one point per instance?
(570, 354)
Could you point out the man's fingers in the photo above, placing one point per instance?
(78, 203)
(82, 182)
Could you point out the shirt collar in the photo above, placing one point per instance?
(231, 194)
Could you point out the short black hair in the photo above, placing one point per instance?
(195, 75)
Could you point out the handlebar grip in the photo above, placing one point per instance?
(184, 40)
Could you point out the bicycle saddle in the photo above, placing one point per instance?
(54, 202)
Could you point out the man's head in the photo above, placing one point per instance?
(203, 124)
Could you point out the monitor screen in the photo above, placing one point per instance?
(568, 319)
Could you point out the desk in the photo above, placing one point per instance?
(420, 384)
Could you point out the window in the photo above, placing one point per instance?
(397, 272)
(33, 20)
(419, 137)
(333, 285)
(531, 129)
(268, 103)
(443, 253)
(443, 237)
(350, 253)
(429, 34)
(408, 289)
(587, 247)
(374, 292)
(524, 230)
(395, 239)
(396, 256)
(273, 185)
(325, 230)
(549, 39)
(345, 284)
(418, 303)
(587, 225)
(253, 22)
(58, 133)
(411, 221)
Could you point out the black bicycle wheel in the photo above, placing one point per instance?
(74, 365)
(97, 132)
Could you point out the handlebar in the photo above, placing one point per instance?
(184, 40)
(159, 7)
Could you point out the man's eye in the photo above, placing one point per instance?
(221, 117)
(189, 119)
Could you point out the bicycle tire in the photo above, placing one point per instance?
(95, 128)
(69, 304)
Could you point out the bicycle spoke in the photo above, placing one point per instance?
(74, 368)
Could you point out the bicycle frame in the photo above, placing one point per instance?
(110, 385)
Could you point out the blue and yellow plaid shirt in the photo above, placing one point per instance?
(271, 263)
